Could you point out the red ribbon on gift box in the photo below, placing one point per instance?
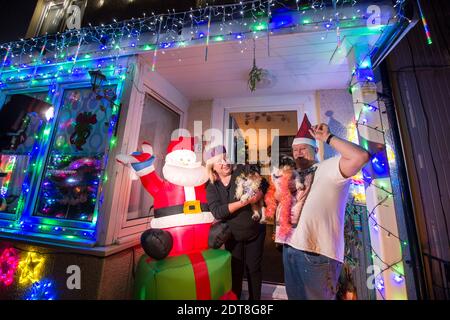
(202, 284)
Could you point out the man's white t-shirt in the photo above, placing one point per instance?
(321, 225)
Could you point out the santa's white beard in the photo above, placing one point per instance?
(186, 177)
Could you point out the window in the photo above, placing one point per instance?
(52, 172)
(76, 159)
(157, 124)
(22, 120)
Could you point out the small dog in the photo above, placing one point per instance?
(248, 184)
(287, 194)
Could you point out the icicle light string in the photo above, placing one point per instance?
(173, 23)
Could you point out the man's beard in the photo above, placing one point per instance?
(187, 177)
(303, 163)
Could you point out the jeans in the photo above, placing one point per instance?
(310, 276)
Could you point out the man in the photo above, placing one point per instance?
(314, 251)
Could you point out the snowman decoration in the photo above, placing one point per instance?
(181, 220)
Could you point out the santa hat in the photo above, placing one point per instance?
(214, 154)
(303, 136)
(182, 143)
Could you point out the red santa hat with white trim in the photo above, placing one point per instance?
(303, 136)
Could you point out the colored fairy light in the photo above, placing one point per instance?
(365, 64)
(398, 278)
(42, 290)
(165, 45)
(425, 24)
(30, 268)
(390, 154)
(371, 107)
(9, 260)
(380, 284)
(50, 113)
(259, 26)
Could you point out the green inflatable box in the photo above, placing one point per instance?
(186, 277)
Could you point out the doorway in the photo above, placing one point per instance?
(252, 133)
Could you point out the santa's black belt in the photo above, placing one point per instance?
(189, 207)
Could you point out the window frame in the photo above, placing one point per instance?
(34, 179)
(28, 216)
(120, 230)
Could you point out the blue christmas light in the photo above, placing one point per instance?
(379, 164)
(380, 285)
(42, 290)
(398, 278)
(371, 107)
(282, 21)
(166, 45)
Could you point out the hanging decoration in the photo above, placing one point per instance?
(71, 49)
(9, 260)
(425, 24)
(30, 268)
(256, 74)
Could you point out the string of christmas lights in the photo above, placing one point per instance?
(374, 106)
(173, 29)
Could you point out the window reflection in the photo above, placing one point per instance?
(75, 165)
(22, 119)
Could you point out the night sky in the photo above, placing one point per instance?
(15, 16)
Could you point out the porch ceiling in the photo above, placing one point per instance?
(297, 62)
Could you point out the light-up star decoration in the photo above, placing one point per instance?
(9, 259)
(30, 268)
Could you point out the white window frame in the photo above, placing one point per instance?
(119, 230)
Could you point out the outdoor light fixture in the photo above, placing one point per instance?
(97, 79)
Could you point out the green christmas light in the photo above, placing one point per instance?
(259, 26)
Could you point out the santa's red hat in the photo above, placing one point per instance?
(303, 136)
(182, 143)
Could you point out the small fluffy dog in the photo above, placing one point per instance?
(286, 196)
(248, 184)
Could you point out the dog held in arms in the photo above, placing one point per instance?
(248, 184)
(285, 197)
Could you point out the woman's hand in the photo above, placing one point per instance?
(255, 198)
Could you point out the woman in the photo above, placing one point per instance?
(247, 236)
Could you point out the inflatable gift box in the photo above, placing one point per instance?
(198, 276)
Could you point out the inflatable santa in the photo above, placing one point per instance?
(178, 263)
(181, 218)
